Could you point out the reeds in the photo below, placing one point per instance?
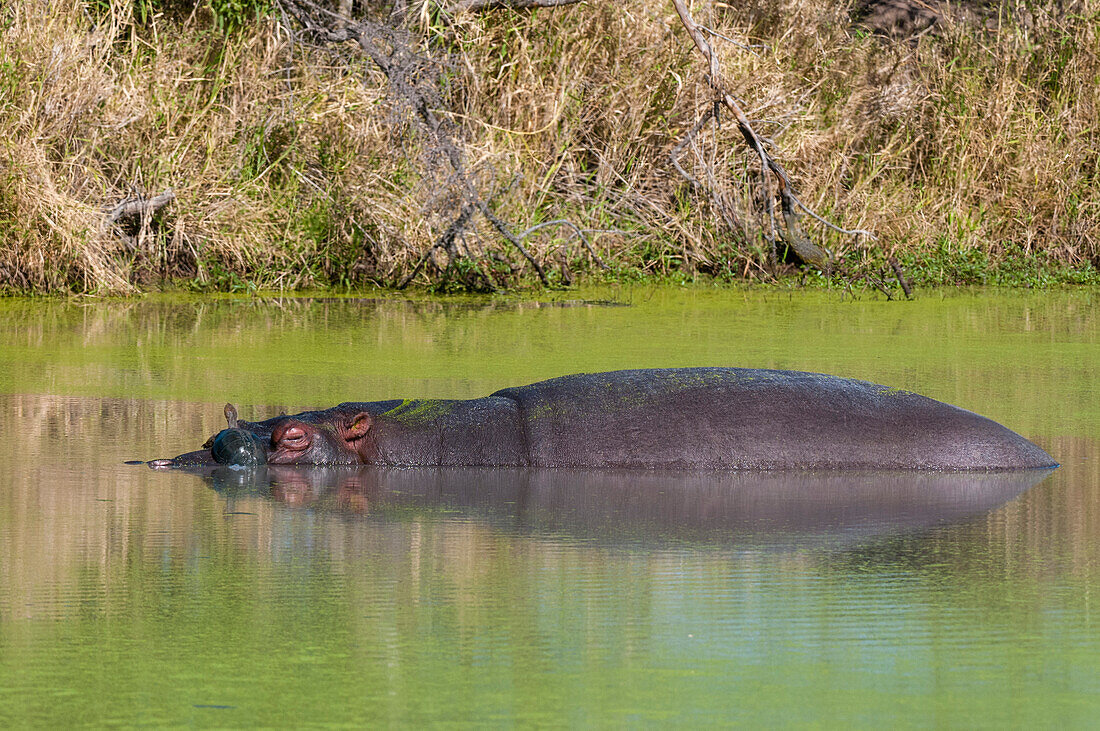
(972, 150)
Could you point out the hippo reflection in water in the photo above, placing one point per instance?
(763, 507)
(687, 418)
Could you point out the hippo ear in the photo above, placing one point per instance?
(357, 426)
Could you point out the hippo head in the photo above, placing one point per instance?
(337, 440)
(333, 437)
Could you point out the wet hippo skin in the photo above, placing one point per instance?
(686, 418)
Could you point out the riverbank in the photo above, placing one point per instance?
(971, 150)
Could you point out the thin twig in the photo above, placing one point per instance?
(880, 286)
(739, 44)
(577, 231)
(838, 229)
(710, 190)
(674, 156)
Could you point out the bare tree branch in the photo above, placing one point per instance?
(389, 50)
(901, 276)
(796, 238)
(769, 166)
(502, 227)
(446, 241)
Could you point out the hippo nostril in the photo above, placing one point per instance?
(238, 447)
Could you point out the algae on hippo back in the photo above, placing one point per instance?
(611, 394)
(416, 412)
(685, 418)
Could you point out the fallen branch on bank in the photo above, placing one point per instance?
(132, 222)
(900, 275)
(140, 207)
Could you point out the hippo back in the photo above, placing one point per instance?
(733, 418)
(447, 432)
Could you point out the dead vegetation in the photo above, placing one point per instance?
(586, 137)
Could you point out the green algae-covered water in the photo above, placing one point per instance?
(328, 597)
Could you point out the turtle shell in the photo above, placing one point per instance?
(238, 447)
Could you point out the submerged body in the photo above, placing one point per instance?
(686, 418)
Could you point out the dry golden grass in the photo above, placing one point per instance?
(972, 150)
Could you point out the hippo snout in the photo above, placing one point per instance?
(238, 447)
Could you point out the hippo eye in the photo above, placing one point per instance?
(294, 437)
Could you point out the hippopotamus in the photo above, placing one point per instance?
(680, 419)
